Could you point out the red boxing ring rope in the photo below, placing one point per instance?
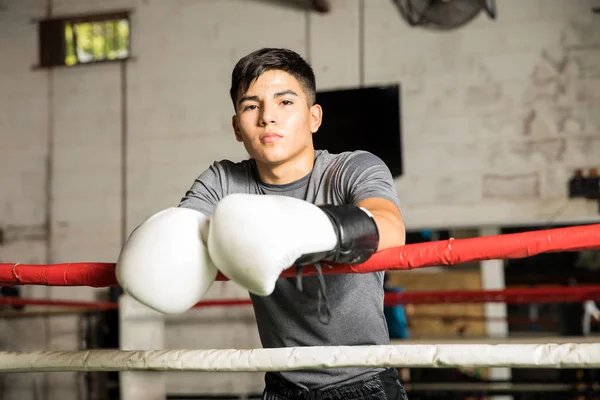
(572, 294)
(412, 256)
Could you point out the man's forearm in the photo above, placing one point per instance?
(389, 222)
(391, 229)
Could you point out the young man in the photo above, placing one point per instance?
(273, 93)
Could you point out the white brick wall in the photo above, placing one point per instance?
(23, 179)
(496, 115)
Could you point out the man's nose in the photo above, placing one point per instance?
(268, 115)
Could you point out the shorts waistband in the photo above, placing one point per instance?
(366, 387)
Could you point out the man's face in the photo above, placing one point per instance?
(274, 120)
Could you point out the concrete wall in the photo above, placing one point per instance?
(496, 115)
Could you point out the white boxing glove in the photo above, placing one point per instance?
(253, 238)
(165, 264)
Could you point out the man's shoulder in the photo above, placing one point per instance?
(360, 157)
(232, 167)
(230, 175)
(234, 164)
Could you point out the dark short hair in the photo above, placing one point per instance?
(260, 61)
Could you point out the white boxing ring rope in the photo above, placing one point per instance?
(557, 355)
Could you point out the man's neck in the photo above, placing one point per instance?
(287, 172)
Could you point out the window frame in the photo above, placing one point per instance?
(52, 48)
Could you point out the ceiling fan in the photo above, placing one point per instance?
(443, 14)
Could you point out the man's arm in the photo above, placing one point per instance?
(206, 191)
(367, 182)
(388, 219)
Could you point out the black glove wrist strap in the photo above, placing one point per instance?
(357, 236)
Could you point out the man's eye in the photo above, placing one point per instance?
(250, 107)
(287, 102)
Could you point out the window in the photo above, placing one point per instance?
(84, 40)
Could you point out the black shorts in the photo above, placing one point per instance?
(383, 386)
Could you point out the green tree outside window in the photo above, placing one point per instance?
(87, 42)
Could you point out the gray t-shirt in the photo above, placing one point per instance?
(289, 317)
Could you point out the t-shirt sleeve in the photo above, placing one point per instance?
(364, 175)
(206, 191)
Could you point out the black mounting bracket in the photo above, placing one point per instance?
(586, 186)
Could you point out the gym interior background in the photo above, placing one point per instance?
(110, 108)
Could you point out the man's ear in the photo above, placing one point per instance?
(316, 117)
(236, 128)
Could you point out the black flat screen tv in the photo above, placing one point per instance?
(366, 118)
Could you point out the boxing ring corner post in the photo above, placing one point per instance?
(492, 278)
(141, 328)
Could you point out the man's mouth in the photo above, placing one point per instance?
(270, 137)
